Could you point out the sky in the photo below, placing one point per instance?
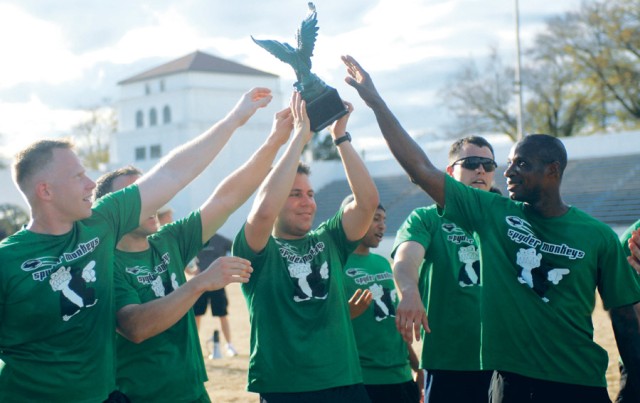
(60, 58)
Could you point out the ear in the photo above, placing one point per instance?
(553, 169)
(449, 170)
(43, 191)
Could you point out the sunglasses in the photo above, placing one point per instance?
(472, 163)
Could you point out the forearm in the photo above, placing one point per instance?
(186, 162)
(626, 328)
(405, 274)
(406, 267)
(139, 322)
(366, 197)
(237, 188)
(272, 196)
(181, 166)
(409, 154)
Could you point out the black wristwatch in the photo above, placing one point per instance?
(340, 140)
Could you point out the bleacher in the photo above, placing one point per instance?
(608, 188)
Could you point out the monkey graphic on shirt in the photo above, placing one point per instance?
(72, 284)
(535, 271)
(384, 299)
(310, 283)
(469, 274)
(309, 271)
(537, 274)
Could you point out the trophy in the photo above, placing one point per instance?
(324, 105)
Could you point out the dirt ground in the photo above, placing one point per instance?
(228, 375)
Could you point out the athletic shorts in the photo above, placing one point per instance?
(342, 394)
(405, 392)
(443, 386)
(507, 387)
(218, 301)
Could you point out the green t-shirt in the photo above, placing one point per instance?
(383, 353)
(450, 286)
(539, 281)
(301, 334)
(169, 366)
(57, 326)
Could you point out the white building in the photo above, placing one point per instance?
(163, 107)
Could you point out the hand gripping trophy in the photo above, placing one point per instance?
(324, 105)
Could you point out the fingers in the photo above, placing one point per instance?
(402, 324)
(227, 269)
(356, 296)
(259, 93)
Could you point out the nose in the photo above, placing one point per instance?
(91, 184)
(509, 171)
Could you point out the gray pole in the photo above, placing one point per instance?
(518, 82)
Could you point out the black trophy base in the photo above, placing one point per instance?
(325, 109)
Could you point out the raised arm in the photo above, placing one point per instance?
(274, 191)
(358, 214)
(411, 313)
(138, 322)
(408, 153)
(234, 190)
(186, 162)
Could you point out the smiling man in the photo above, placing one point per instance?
(542, 262)
(449, 284)
(302, 343)
(385, 358)
(56, 275)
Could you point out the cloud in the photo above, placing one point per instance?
(70, 54)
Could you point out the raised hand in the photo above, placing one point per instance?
(223, 271)
(359, 79)
(301, 122)
(282, 126)
(249, 103)
(339, 127)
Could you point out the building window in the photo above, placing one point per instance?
(139, 119)
(166, 115)
(155, 151)
(153, 117)
(147, 89)
(161, 85)
(141, 153)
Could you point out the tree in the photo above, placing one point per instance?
(602, 45)
(482, 100)
(581, 77)
(322, 147)
(92, 136)
(12, 218)
(555, 104)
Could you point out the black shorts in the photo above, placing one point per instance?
(218, 301)
(442, 386)
(507, 387)
(405, 392)
(342, 394)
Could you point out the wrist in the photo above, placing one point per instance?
(339, 140)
